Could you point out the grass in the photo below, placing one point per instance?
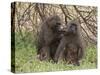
(26, 60)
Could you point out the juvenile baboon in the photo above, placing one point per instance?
(49, 36)
(71, 44)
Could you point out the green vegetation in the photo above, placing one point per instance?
(26, 61)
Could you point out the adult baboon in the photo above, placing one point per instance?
(49, 36)
(71, 44)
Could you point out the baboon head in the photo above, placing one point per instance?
(73, 27)
(55, 23)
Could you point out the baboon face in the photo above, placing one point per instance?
(72, 28)
(55, 23)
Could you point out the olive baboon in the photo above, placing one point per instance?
(71, 44)
(49, 37)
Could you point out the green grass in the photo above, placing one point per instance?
(26, 60)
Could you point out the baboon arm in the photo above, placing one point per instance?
(60, 49)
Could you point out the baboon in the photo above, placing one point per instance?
(49, 36)
(71, 45)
